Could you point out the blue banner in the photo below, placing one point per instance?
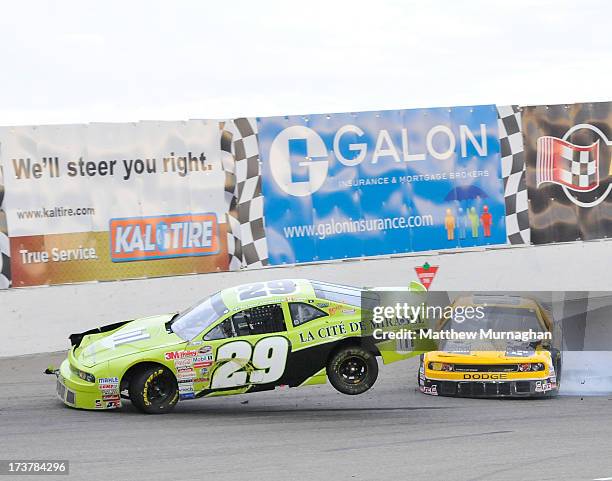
(374, 183)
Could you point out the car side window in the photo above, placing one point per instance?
(223, 330)
(302, 313)
(259, 320)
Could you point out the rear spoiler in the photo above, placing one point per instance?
(75, 339)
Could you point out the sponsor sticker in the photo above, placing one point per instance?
(172, 355)
(203, 361)
(433, 390)
(185, 375)
(186, 386)
(109, 392)
(543, 386)
(107, 387)
(184, 362)
(187, 395)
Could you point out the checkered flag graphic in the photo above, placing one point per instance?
(513, 174)
(563, 163)
(5, 251)
(247, 244)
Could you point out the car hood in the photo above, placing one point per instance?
(488, 357)
(132, 337)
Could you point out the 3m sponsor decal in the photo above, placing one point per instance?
(172, 355)
(163, 237)
(485, 376)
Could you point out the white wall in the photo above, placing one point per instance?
(40, 319)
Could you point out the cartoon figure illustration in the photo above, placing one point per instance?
(486, 219)
(473, 215)
(449, 224)
(462, 223)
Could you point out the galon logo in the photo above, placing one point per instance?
(162, 237)
(576, 167)
(309, 174)
(299, 159)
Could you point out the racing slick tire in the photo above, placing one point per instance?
(352, 370)
(154, 390)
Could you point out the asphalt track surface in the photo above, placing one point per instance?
(391, 432)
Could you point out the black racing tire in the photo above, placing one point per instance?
(154, 390)
(352, 370)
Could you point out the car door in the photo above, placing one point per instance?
(250, 348)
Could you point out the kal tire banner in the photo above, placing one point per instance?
(569, 171)
(114, 201)
(377, 183)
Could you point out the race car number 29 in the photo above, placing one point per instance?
(268, 359)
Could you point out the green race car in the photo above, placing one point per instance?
(250, 338)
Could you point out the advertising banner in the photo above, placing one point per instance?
(373, 183)
(114, 201)
(5, 249)
(569, 171)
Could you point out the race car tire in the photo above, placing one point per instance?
(352, 370)
(154, 390)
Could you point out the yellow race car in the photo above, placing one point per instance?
(505, 350)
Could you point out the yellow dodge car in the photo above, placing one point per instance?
(505, 349)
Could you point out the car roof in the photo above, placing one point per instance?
(259, 293)
(501, 300)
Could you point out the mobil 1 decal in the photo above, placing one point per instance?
(569, 171)
(372, 183)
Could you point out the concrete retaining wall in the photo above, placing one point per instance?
(40, 319)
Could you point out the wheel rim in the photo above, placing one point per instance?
(159, 389)
(353, 370)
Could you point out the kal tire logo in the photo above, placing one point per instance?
(163, 237)
(576, 168)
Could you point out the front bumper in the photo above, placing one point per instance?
(77, 393)
(489, 389)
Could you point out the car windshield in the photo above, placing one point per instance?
(188, 324)
(499, 319)
(496, 318)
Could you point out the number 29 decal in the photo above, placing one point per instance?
(268, 359)
(264, 289)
